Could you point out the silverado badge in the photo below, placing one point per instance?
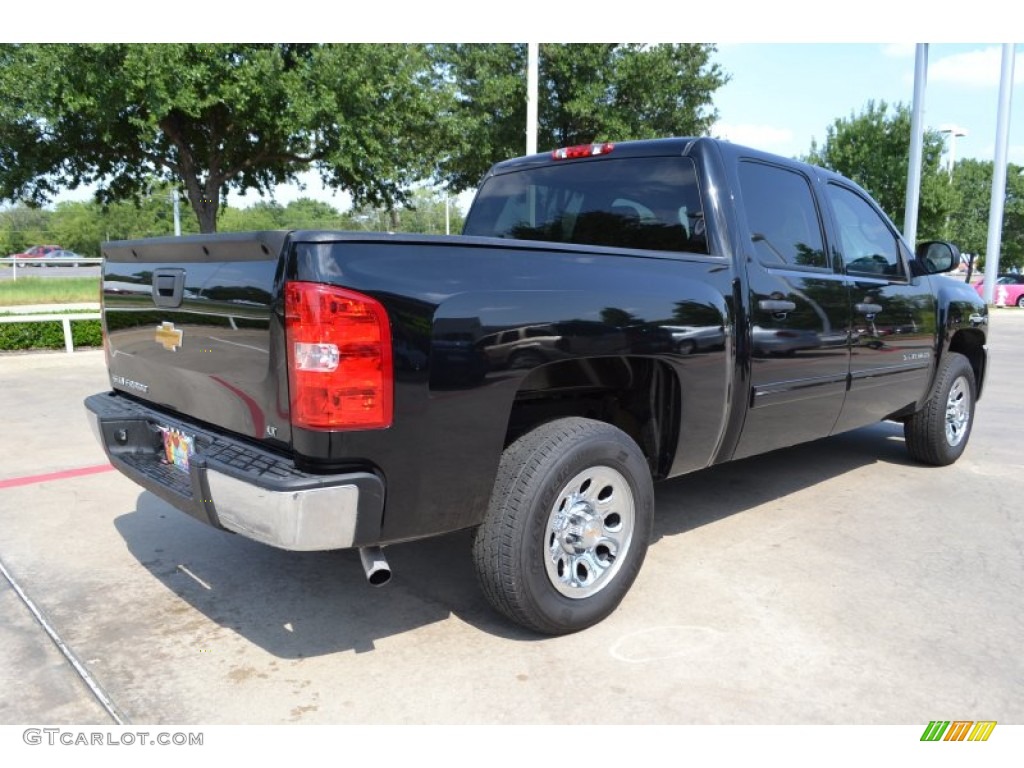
(168, 336)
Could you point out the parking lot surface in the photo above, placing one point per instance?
(835, 582)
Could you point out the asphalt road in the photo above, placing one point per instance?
(835, 582)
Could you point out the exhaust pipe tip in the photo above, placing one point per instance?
(375, 565)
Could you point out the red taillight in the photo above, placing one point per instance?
(339, 358)
(582, 150)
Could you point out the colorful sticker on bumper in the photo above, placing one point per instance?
(178, 448)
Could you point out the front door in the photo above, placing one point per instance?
(894, 313)
(799, 313)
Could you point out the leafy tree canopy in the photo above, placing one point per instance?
(873, 149)
(213, 117)
(968, 228)
(587, 92)
(373, 120)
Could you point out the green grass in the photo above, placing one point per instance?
(42, 290)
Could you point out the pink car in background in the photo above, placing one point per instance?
(1013, 285)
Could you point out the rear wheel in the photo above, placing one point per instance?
(1020, 301)
(938, 433)
(567, 527)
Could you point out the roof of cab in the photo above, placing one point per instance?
(664, 147)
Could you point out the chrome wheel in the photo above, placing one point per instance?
(958, 411)
(567, 526)
(589, 531)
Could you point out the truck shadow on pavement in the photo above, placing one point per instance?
(306, 604)
(693, 500)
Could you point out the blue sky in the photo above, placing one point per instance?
(782, 96)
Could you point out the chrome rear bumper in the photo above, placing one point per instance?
(236, 486)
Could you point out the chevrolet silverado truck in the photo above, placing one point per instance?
(611, 315)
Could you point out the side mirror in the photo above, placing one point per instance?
(936, 256)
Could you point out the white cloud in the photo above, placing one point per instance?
(899, 50)
(765, 137)
(974, 69)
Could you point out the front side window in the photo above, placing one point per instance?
(868, 244)
(651, 203)
(782, 216)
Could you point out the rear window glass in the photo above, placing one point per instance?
(651, 203)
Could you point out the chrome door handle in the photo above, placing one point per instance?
(774, 305)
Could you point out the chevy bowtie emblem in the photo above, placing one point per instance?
(168, 336)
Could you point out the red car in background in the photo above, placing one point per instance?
(1011, 285)
(35, 252)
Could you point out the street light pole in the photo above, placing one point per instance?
(954, 132)
(995, 211)
(532, 70)
(177, 211)
(913, 197)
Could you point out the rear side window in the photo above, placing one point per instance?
(651, 203)
(782, 216)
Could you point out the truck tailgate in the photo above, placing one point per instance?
(191, 328)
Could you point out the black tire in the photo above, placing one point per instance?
(1020, 301)
(938, 433)
(567, 527)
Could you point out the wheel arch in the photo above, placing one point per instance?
(641, 396)
(970, 343)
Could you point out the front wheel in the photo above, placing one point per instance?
(567, 527)
(1020, 301)
(938, 433)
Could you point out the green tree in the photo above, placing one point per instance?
(968, 228)
(306, 213)
(1012, 250)
(214, 117)
(22, 227)
(587, 92)
(83, 226)
(78, 227)
(873, 149)
(423, 214)
(972, 189)
(260, 216)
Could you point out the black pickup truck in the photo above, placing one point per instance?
(611, 315)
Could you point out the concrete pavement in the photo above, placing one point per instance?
(835, 582)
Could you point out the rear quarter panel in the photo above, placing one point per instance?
(448, 296)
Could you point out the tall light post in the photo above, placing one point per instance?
(954, 132)
(532, 75)
(177, 211)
